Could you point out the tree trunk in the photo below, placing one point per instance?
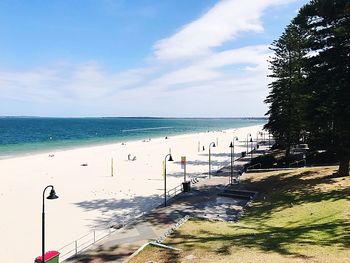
(343, 167)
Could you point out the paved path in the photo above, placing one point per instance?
(122, 243)
(202, 201)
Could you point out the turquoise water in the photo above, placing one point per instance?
(27, 135)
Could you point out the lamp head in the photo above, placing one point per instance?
(170, 158)
(231, 145)
(214, 144)
(236, 138)
(52, 194)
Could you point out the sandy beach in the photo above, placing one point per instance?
(89, 196)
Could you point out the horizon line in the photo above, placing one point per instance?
(149, 117)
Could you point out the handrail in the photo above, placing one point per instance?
(82, 243)
(254, 165)
(174, 190)
(297, 162)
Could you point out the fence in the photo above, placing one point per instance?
(84, 242)
(297, 163)
(254, 165)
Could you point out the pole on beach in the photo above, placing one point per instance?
(199, 146)
(211, 144)
(170, 160)
(51, 196)
(112, 167)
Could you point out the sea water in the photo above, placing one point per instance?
(26, 135)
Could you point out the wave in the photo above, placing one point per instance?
(148, 129)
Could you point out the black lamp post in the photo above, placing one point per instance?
(247, 141)
(170, 160)
(257, 136)
(50, 197)
(232, 146)
(251, 148)
(211, 144)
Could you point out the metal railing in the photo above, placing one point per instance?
(297, 162)
(83, 243)
(172, 192)
(100, 232)
(254, 165)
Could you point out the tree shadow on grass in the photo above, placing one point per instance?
(277, 193)
(268, 239)
(282, 191)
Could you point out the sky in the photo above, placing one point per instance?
(168, 58)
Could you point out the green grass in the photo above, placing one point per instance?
(300, 216)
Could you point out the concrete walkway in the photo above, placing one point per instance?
(202, 201)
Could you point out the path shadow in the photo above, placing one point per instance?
(100, 255)
(119, 211)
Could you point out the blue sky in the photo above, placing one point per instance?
(183, 58)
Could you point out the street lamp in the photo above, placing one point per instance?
(212, 143)
(247, 141)
(232, 146)
(51, 196)
(257, 136)
(251, 148)
(170, 160)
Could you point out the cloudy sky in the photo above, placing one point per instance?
(166, 58)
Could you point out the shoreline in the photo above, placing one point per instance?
(104, 142)
(89, 196)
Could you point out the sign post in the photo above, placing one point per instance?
(186, 185)
(183, 166)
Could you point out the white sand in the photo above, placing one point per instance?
(88, 195)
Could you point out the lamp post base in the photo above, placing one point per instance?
(186, 186)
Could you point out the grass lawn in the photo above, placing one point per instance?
(301, 215)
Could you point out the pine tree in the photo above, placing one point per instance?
(327, 68)
(285, 99)
(311, 86)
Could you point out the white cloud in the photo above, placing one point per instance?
(220, 24)
(226, 80)
(67, 82)
(210, 67)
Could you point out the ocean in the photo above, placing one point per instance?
(26, 135)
